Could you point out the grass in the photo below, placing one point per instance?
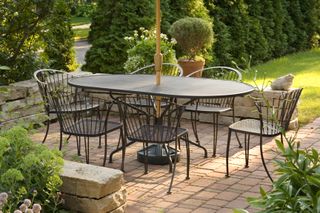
(305, 66)
(75, 21)
(80, 33)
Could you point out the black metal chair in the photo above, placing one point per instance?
(78, 113)
(214, 106)
(42, 77)
(143, 126)
(167, 69)
(274, 119)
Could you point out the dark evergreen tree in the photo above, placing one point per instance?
(257, 44)
(268, 24)
(112, 21)
(311, 20)
(280, 37)
(234, 15)
(58, 39)
(291, 25)
(187, 8)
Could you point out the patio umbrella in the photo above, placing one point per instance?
(158, 55)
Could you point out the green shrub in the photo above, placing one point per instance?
(193, 35)
(23, 24)
(298, 187)
(112, 21)
(26, 168)
(58, 49)
(84, 9)
(143, 48)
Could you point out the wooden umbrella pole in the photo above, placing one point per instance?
(158, 56)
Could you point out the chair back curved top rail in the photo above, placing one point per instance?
(219, 72)
(48, 77)
(167, 69)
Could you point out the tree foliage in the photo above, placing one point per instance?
(112, 21)
(22, 25)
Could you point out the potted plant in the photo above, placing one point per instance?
(193, 36)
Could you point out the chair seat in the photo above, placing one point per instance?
(207, 109)
(74, 107)
(91, 127)
(252, 126)
(156, 134)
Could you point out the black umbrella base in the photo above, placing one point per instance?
(157, 155)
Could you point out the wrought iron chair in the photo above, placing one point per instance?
(141, 126)
(42, 77)
(167, 69)
(213, 106)
(274, 119)
(78, 114)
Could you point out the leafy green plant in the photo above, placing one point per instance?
(143, 48)
(298, 187)
(26, 167)
(193, 35)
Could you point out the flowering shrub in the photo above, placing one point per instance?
(25, 207)
(26, 167)
(143, 47)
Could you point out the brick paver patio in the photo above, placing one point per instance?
(207, 190)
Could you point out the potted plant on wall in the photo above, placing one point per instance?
(193, 36)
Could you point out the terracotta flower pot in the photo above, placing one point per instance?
(189, 66)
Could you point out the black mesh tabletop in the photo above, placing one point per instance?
(170, 86)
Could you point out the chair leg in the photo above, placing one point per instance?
(68, 137)
(124, 144)
(167, 150)
(188, 156)
(246, 148)
(47, 130)
(262, 159)
(237, 137)
(194, 126)
(60, 145)
(99, 147)
(78, 139)
(215, 133)
(227, 153)
(174, 166)
(86, 147)
(281, 138)
(145, 152)
(105, 148)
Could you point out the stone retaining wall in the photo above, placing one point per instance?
(21, 103)
(93, 189)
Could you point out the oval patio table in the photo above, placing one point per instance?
(170, 86)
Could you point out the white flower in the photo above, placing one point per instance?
(27, 202)
(36, 208)
(23, 207)
(17, 211)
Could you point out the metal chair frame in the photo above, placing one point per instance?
(78, 114)
(274, 120)
(141, 125)
(173, 70)
(214, 106)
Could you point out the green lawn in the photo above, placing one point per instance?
(75, 21)
(305, 66)
(80, 34)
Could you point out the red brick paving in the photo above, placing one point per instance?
(207, 190)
